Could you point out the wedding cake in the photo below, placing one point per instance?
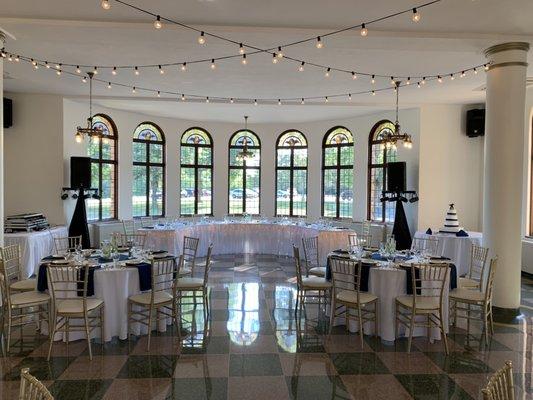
(451, 224)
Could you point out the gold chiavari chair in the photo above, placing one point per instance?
(312, 259)
(501, 385)
(429, 246)
(359, 240)
(190, 248)
(11, 256)
(136, 239)
(67, 243)
(463, 299)
(31, 388)
(309, 286)
(129, 226)
(347, 296)
(428, 284)
(68, 284)
(161, 299)
(476, 272)
(17, 307)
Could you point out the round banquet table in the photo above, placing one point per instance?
(34, 246)
(456, 248)
(240, 238)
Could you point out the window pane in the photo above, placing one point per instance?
(283, 192)
(205, 194)
(139, 152)
(254, 162)
(330, 193)
(93, 204)
(187, 191)
(93, 148)
(108, 191)
(330, 156)
(299, 193)
(376, 186)
(377, 154)
(284, 157)
(204, 155)
(108, 149)
(233, 157)
(346, 155)
(156, 153)
(300, 157)
(346, 193)
(187, 155)
(156, 191)
(252, 191)
(138, 199)
(236, 192)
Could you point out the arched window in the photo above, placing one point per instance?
(148, 195)
(291, 174)
(104, 171)
(378, 158)
(196, 192)
(337, 173)
(244, 186)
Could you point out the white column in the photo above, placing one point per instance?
(503, 169)
(2, 192)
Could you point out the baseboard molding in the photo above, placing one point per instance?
(505, 315)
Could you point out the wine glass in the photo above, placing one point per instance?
(115, 256)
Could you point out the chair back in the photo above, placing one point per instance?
(208, 263)
(31, 388)
(164, 276)
(66, 243)
(68, 281)
(190, 248)
(4, 289)
(360, 240)
(428, 245)
(346, 275)
(129, 226)
(297, 264)
(135, 239)
(500, 386)
(489, 285)
(429, 281)
(310, 245)
(10, 256)
(478, 261)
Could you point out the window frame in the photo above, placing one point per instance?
(100, 162)
(147, 164)
(197, 167)
(244, 167)
(371, 166)
(338, 167)
(291, 168)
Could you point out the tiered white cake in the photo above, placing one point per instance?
(451, 224)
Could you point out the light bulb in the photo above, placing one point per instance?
(184, 66)
(280, 52)
(105, 4)
(486, 67)
(373, 80)
(182, 97)
(161, 70)
(416, 15)
(274, 58)
(241, 49)
(231, 100)
(279, 102)
(303, 101)
(213, 65)
(475, 71)
(109, 85)
(46, 64)
(326, 99)
(349, 97)
(462, 74)
(319, 43)
(418, 85)
(201, 38)
(244, 61)
(58, 72)
(157, 23)
(84, 80)
(95, 70)
(408, 82)
(58, 66)
(255, 102)
(424, 80)
(207, 99)
(17, 58)
(452, 77)
(114, 72)
(133, 90)
(136, 71)
(301, 67)
(373, 93)
(439, 79)
(354, 76)
(78, 137)
(10, 58)
(158, 93)
(327, 72)
(78, 70)
(364, 31)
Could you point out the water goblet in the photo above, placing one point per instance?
(115, 256)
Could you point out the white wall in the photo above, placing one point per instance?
(527, 243)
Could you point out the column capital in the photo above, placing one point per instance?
(507, 55)
(498, 48)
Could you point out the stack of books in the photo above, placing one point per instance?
(25, 223)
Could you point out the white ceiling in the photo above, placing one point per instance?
(451, 35)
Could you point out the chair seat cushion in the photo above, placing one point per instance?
(423, 303)
(467, 294)
(146, 298)
(190, 283)
(24, 285)
(467, 283)
(75, 306)
(26, 299)
(318, 271)
(350, 296)
(315, 282)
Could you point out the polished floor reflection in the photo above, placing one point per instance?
(252, 347)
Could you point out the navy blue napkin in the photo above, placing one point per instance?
(461, 233)
(409, 283)
(42, 281)
(429, 232)
(145, 275)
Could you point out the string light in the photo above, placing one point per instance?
(213, 65)
(475, 71)
(105, 4)
(17, 58)
(184, 66)
(303, 101)
(439, 79)
(201, 38)
(416, 15)
(349, 97)
(279, 102)
(134, 90)
(182, 97)
(280, 52)
(327, 72)
(301, 67)
(231, 100)
(319, 43)
(241, 49)
(3, 53)
(84, 79)
(255, 102)
(109, 85)
(373, 93)
(418, 85)
(34, 63)
(161, 70)
(78, 70)
(408, 82)
(157, 23)
(452, 77)
(373, 80)
(114, 72)
(364, 31)
(95, 70)
(486, 67)
(326, 99)
(423, 80)
(244, 61)
(158, 93)
(274, 58)
(392, 82)
(10, 58)
(58, 72)
(354, 76)
(462, 74)
(136, 71)
(47, 65)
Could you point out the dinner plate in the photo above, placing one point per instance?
(160, 255)
(134, 262)
(60, 262)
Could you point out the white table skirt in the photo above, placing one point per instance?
(456, 248)
(34, 246)
(239, 238)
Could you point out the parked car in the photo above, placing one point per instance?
(347, 195)
(236, 193)
(282, 194)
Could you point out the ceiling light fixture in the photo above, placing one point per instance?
(90, 131)
(245, 154)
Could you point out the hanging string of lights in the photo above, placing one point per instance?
(245, 49)
(58, 68)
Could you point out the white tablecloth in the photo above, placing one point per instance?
(239, 238)
(456, 248)
(34, 246)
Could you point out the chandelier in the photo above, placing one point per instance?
(89, 131)
(391, 138)
(245, 154)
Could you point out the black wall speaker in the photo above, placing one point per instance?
(80, 172)
(475, 123)
(8, 113)
(396, 176)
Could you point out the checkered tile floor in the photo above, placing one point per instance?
(252, 347)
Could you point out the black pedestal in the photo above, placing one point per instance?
(400, 230)
(78, 224)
